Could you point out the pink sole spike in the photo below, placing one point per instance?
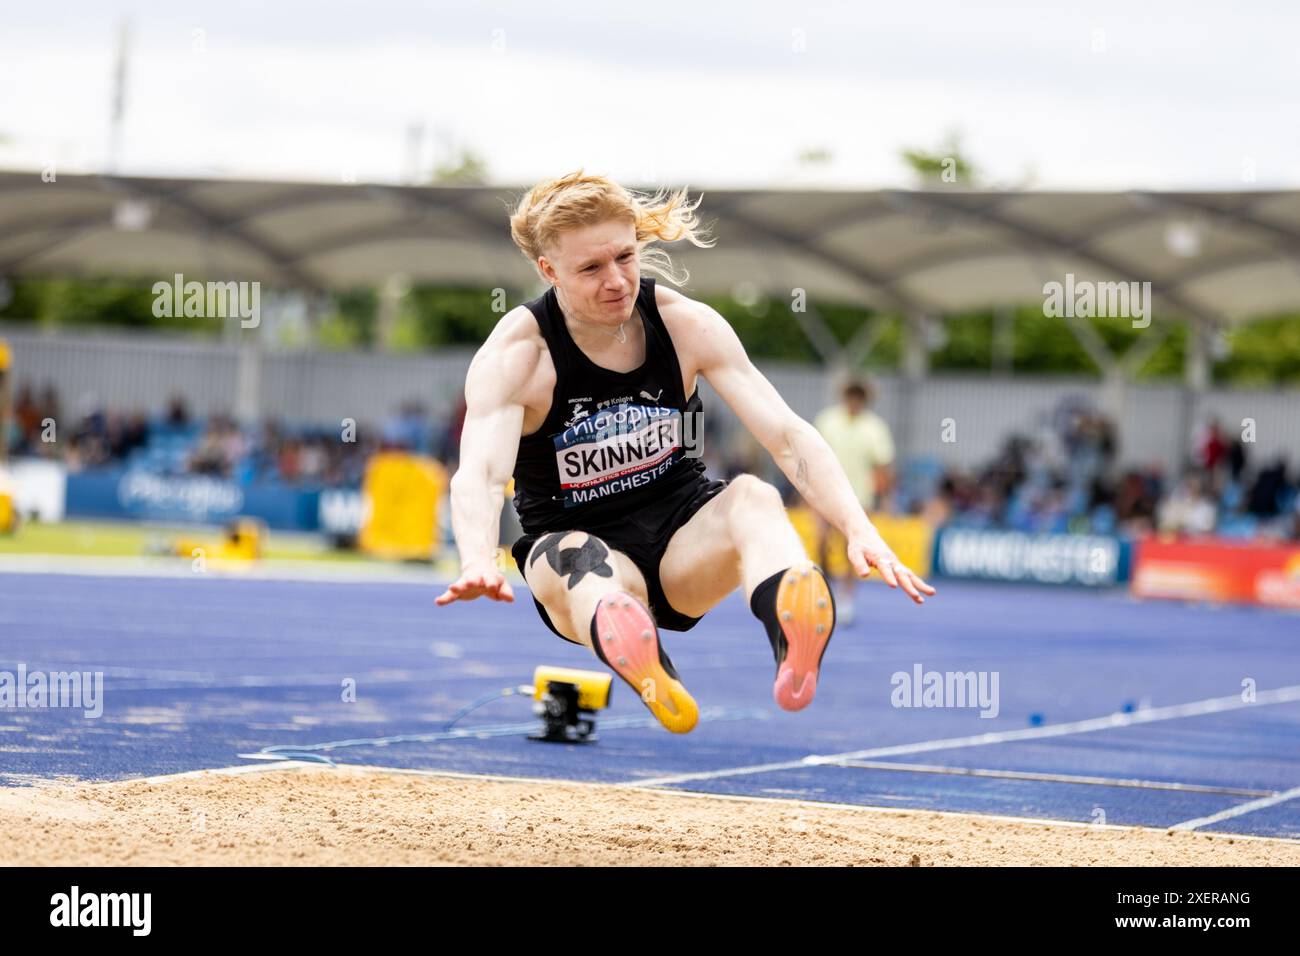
(622, 626)
(805, 612)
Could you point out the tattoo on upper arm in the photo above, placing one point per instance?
(801, 470)
(591, 557)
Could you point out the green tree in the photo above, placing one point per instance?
(944, 166)
(468, 168)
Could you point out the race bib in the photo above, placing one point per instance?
(617, 449)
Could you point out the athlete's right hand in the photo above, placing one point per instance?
(477, 581)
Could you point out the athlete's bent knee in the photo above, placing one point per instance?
(756, 493)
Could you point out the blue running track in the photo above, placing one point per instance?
(1108, 710)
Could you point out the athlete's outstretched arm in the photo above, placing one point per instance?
(796, 447)
(489, 444)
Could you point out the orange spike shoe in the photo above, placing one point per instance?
(805, 610)
(624, 636)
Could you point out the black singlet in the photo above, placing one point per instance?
(612, 441)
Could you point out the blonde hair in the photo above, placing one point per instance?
(558, 205)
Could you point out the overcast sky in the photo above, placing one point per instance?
(1096, 94)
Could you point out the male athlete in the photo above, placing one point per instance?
(588, 395)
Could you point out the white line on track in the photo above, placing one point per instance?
(1196, 708)
(1051, 777)
(1239, 810)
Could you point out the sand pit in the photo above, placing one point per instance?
(354, 817)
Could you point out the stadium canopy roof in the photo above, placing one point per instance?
(1213, 256)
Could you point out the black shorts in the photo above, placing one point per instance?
(643, 536)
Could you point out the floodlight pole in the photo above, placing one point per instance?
(117, 105)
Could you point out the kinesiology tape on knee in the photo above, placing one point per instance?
(762, 604)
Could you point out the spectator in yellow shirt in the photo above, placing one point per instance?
(865, 448)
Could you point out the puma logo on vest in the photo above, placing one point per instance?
(654, 397)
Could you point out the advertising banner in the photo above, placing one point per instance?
(1087, 560)
(1208, 569)
(198, 499)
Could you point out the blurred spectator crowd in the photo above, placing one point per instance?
(1061, 477)
(175, 442)
(1064, 478)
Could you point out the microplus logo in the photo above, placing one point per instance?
(1086, 299)
(215, 300)
(103, 909)
(923, 688)
(200, 497)
(37, 689)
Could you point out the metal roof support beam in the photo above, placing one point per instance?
(980, 250)
(59, 229)
(814, 327)
(1199, 320)
(1280, 238)
(1002, 361)
(1114, 394)
(1114, 370)
(1196, 379)
(863, 341)
(1196, 361)
(808, 245)
(916, 351)
(841, 357)
(915, 367)
(1092, 343)
(225, 225)
(1032, 236)
(247, 400)
(823, 339)
(487, 228)
(1138, 353)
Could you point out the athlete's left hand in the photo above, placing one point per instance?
(867, 550)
